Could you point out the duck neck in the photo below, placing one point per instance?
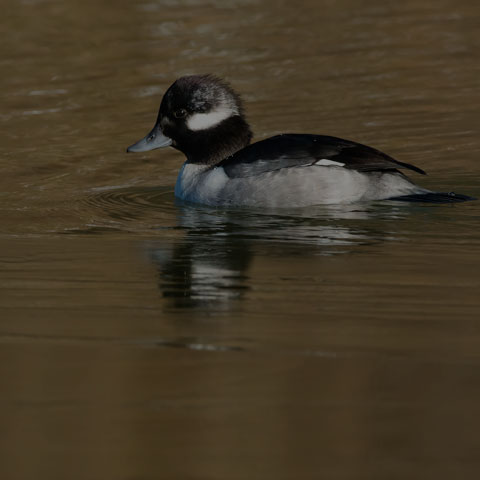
(209, 147)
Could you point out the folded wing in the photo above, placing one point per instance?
(302, 150)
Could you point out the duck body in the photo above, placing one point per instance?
(202, 116)
(293, 170)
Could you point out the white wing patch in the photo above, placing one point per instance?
(202, 121)
(329, 163)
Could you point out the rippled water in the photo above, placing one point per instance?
(142, 337)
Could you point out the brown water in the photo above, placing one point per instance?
(142, 338)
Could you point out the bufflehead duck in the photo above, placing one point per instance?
(203, 117)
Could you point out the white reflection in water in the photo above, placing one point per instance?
(329, 225)
(58, 91)
(41, 112)
(210, 263)
(191, 275)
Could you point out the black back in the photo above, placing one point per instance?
(300, 150)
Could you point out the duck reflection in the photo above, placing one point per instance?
(191, 274)
(209, 265)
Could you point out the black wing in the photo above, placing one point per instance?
(300, 150)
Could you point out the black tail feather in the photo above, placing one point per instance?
(434, 197)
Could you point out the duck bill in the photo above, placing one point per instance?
(151, 141)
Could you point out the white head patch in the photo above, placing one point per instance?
(202, 121)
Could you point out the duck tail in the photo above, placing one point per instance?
(434, 197)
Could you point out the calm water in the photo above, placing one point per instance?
(142, 338)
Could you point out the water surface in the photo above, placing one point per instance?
(142, 338)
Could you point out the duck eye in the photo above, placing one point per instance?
(180, 113)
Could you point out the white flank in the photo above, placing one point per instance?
(329, 163)
(202, 121)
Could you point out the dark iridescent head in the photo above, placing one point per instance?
(201, 116)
